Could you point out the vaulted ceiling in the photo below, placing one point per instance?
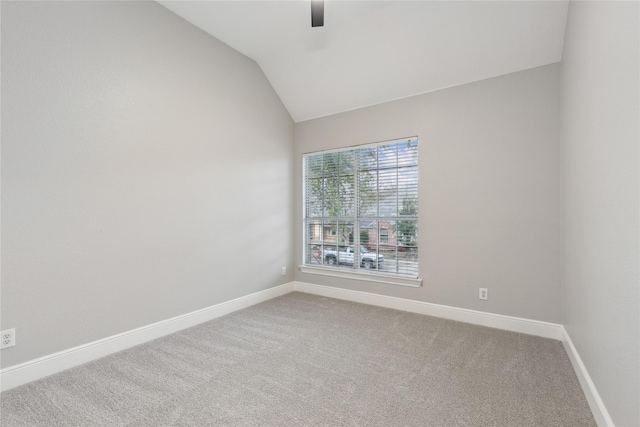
(370, 52)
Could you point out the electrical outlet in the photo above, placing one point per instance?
(8, 338)
(484, 294)
(284, 271)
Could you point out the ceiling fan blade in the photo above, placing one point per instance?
(317, 13)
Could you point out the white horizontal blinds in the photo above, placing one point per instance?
(389, 211)
(330, 202)
(365, 196)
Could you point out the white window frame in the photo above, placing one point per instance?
(356, 273)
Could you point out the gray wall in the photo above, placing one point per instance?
(146, 172)
(601, 182)
(489, 190)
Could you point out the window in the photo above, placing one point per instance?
(368, 197)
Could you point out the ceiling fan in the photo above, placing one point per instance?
(317, 13)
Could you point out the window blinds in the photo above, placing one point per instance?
(361, 208)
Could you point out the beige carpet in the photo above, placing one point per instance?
(307, 360)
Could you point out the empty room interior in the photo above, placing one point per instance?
(320, 213)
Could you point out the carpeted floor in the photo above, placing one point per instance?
(307, 360)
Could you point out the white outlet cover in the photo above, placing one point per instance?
(7, 338)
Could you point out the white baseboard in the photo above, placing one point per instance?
(515, 324)
(32, 370)
(596, 404)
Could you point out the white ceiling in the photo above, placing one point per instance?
(371, 52)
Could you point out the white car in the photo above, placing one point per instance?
(346, 256)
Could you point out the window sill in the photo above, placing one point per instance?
(362, 275)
